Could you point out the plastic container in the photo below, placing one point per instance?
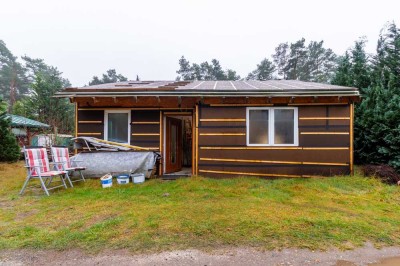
(123, 179)
(106, 181)
(137, 178)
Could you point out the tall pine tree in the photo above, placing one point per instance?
(13, 80)
(265, 71)
(110, 76)
(204, 71)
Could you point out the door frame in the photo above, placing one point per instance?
(164, 131)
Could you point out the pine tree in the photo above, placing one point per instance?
(343, 74)
(207, 71)
(13, 80)
(280, 58)
(376, 125)
(217, 72)
(296, 61)
(231, 75)
(185, 70)
(320, 63)
(57, 112)
(313, 62)
(265, 71)
(386, 61)
(361, 69)
(9, 149)
(204, 71)
(110, 76)
(196, 72)
(354, 68)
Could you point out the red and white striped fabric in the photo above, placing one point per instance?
(52, 173)
(37, 157)
(60, 155)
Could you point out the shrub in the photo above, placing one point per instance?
(384, 172)
(9, 149)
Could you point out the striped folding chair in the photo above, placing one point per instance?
(60, 156)
(38, 167)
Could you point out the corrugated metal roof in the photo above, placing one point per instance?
(20, 121)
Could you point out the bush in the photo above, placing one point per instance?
(376, 128)
(384, 172)
(9, 149)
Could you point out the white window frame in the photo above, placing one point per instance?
(271, 126)
(106, 112)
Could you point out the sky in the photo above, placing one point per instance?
(146, 38)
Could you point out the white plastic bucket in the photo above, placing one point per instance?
(137, 178)
(123, 179)
(106, 181)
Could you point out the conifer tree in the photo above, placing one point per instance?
(343, 74)
(110, 76)
(376, 125)
(265, 71)
(204, 71)
(9, 149)
(361, 68)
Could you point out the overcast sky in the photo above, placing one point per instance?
(85, 38)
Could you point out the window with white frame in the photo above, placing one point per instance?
(272, 126)
(117, 125)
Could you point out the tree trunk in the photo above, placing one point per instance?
(12, 90)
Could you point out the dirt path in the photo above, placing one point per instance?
(235, 256)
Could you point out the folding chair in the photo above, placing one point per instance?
(38, 167)
(60, 156)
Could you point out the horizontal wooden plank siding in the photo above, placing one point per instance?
(326, 156)
(323, 144)
(145, 128)
(299, 172)
(90, 123)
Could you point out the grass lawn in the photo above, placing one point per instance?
(200, 213)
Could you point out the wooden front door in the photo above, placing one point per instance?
(173, 144)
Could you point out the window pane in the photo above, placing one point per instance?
(258, 126)
(118, 127)
(284, 126)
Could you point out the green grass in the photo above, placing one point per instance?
(200, 213)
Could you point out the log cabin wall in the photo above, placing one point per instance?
(324, 144)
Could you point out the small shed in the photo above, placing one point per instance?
(24, 128)
(274, 128)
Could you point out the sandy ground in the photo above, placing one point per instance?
(367, 255)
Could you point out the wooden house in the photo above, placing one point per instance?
(274, 128)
